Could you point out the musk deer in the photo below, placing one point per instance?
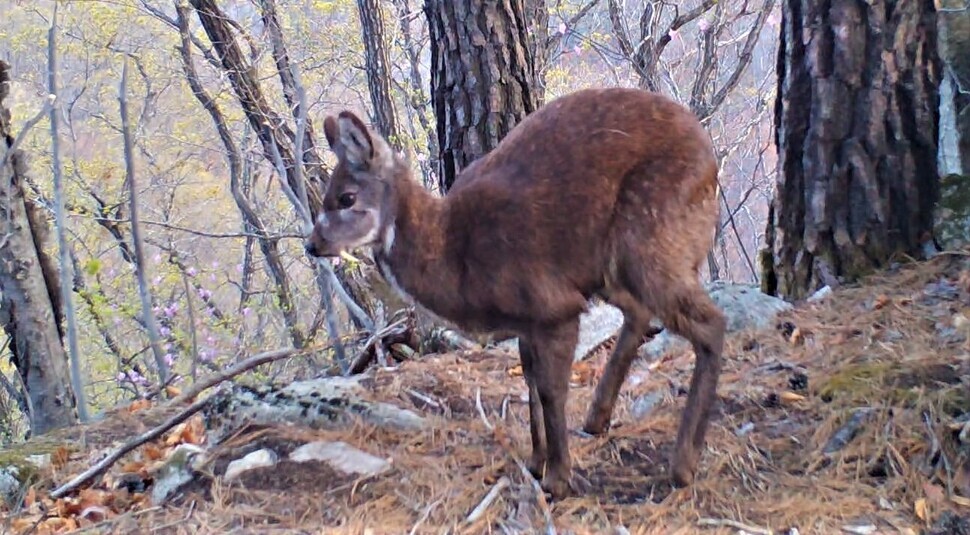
(603, 192)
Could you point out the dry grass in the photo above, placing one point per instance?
(888, 346)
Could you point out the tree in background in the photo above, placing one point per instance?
(483, 77)
(856, 123)
(30, 310)
(378, 72)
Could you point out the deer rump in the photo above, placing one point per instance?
(608, 192)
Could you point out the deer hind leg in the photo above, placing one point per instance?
(636, 327)
(537, 428)
(687, 310)
(553, 351)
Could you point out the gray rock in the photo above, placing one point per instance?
(327, 403)
(178, 470)
(745, 305)
(257, 459)
(10, 486)
(341, 456)
(645, 404)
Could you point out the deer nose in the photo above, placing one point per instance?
(310, 248)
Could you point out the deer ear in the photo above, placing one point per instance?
(330, 131)
(353, 135)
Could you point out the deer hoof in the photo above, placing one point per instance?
(596, 424)
(535, 466)
(682, 474)
(556, 486)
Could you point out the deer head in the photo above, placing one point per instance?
(359, 203)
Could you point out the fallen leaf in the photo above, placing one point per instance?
(173, 391)
(960, 500)
(139, 405)
(515, 371)
(152, 452)
(175, 435)
(583, 373)
(22, 524)
(60, 456)
(30, 498)
(797, 337)
(134, 467)
(791, 397)
(193, 432)
(921, 510)
(881, 301)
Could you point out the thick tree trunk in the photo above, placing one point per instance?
(856, 129)
(28, 314)
(378, 71)
(482, 77)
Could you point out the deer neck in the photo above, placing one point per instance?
(412, 255)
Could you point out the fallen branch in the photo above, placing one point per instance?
(185, 414)
(244, 366)
(486, 502)
(727, 523)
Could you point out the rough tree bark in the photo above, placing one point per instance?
(28, 315)
(954, 27)
(482, 77)
(856, 131)
(378, 71)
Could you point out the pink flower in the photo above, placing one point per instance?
(246, 311)
(190, 272)
(703, 25)
(562, 27)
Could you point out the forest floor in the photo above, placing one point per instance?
(850, 416)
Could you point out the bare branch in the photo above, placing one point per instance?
(146, 301)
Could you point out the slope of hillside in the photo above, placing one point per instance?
(851, 415)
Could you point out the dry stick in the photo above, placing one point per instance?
(721, 523)
(185, 414)
(246, 365)
(486, 502)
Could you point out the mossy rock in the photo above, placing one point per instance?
(856, 382)
(22, 465)
(953, 211)
(898, 385)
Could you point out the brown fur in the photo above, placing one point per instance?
(607, 192)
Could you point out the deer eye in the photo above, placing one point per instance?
(346, 200)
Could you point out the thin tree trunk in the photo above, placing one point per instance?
(417, 98)
(482, 77)
(856, 128)
(60, 213)
(144, 293)
(378, 71)
(28, 311)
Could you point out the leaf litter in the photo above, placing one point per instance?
(850, 416)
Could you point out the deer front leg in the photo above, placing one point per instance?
(553, 352)
(536, 426)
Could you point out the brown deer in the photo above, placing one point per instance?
(603, 192)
